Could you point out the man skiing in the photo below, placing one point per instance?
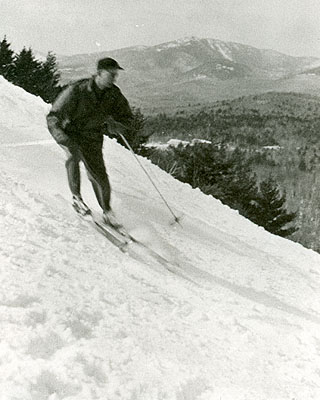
(78, 119)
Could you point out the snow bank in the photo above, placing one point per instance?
(81, 320)
(21, 110)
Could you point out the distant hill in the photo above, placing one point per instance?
(193, 70)
(296, 105)
(269, 118)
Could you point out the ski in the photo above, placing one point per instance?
(110, 233)
(133, 247)
(124, 240)
(129, 245)
(113, 235)
(153, 253)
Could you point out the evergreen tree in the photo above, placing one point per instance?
(240, 189)
(270, 211)
(234, 182)
(137, 136)
(201, 164)
(49, 79)
(214, 170)
(27, 71)
(227, 176)
(6, 59)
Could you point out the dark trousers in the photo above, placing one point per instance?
(90, 153)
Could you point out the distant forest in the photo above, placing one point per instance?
(278, 134)
(260, 120)
(23, 69)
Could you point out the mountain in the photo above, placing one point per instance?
(192, 58)
(237, 319)
(191, 70)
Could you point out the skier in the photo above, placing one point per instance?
(79, 117)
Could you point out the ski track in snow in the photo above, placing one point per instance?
(73, 311)
(81, 320)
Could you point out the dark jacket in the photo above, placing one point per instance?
(81, 110)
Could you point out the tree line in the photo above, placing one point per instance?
(227, 175)
(261, 120)
(40, 78)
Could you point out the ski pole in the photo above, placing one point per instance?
(176, 219)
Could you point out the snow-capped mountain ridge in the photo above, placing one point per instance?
(191, 70)
(79, 320)
(204, 49)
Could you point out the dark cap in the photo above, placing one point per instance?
(107, 63)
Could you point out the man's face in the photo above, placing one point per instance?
(107, 77)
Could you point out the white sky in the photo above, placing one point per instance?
(82, 26)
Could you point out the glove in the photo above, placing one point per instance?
(116, 128)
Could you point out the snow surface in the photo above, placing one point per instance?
(221, 47)
(79, 320)
(176, 43)
(176, 143)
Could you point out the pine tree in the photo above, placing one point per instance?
(6, 59)
(49, 79)
(270, 211)
(27, 71)
(136, 136)
(238, 187)
(227, 175)
(134, 133)
(217, 171)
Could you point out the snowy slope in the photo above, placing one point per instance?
(81, 320)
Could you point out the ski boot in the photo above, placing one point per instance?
(80, 206)
(110, 219)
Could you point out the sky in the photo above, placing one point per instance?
(82, 26)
